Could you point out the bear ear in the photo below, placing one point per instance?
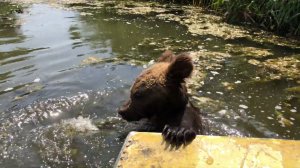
(180, 68)
(167, 56)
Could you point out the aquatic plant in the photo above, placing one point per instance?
(276, 15)
(280, 16)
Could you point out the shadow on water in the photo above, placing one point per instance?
(63, 74)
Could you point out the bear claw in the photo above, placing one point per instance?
(178, 135)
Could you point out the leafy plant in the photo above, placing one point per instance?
(281, 16)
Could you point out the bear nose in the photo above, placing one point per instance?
(121, 111)
(124, 107)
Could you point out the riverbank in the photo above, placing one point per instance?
(243, 17)
(282, 17)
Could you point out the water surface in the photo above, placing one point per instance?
(51, 97)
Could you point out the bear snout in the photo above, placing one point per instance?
(127, 113)
(123, 110)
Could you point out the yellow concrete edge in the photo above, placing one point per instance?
(142, 150)
(129, 136)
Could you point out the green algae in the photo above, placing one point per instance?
(295, 89)
(200, 22)
(279, 68)
(206, 103)
(286, 67)
(92, 60)
(282, 120)
(248, 51)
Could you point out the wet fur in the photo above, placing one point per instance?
(160, 95)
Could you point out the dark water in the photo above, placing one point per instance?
(51, 98)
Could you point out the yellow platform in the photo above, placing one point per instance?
(148, 150)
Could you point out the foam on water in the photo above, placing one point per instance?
(62, 131)
(80, 124)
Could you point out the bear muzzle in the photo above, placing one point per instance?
(128, 114)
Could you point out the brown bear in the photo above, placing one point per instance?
(160, 95)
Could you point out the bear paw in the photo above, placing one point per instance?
(178, 135)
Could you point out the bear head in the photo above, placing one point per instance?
(159, 91)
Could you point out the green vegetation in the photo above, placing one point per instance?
(281, 16)
(8, 8)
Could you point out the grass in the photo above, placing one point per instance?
(281, 16)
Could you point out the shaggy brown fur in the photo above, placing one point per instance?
(160, 95)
